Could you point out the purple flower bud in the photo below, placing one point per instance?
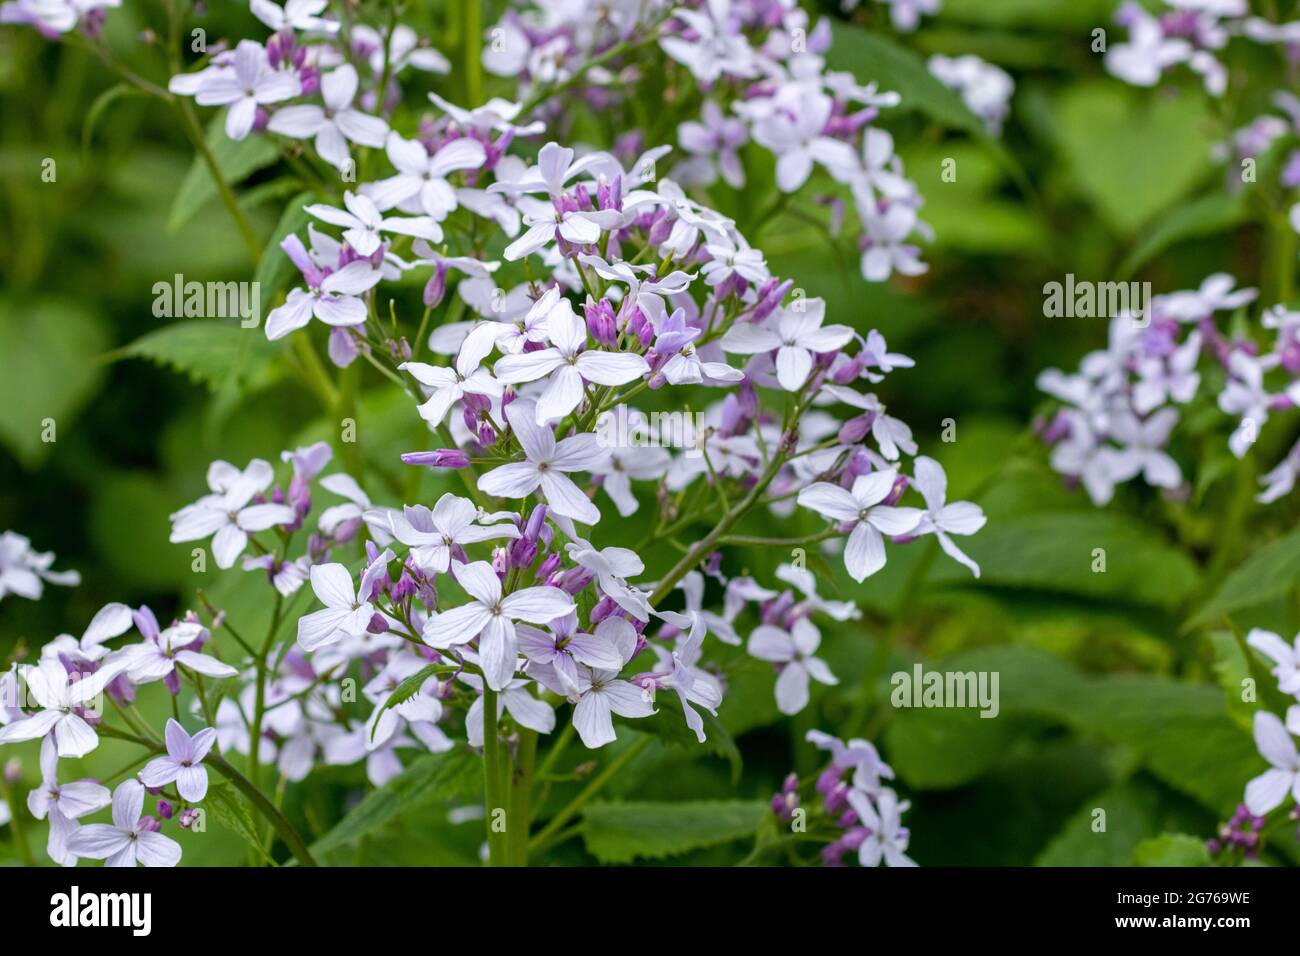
(603, 609)
(13, 771)
(165, 809)
(828, 780)
(856, 428)
(188, 818)
(149, 825)
(441, 458)
(378, 624)
(895, 493)
(548, 567)
(436, 287)
(661, 229)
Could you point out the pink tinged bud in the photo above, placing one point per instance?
(603, 609)
(378, 624)
(188, 818)
(442, 458)
(838, 799)
(849, 371)
(13, 771)
(149, 824)
(895, 493)
(436, 287)
(828, 780)
(173, 682)
(855, 429)
(1291, 358)
(165, 809)
(548, 567)
(573, 580)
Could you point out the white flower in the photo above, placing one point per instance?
(434, 535)
(1267, 791)
(1143, 449)
(421, 181)
(24, 571)
(334, 124)
(450, 385)
(942, 519)
(363, 223)
(182, 763)
(612, 567)
(294, 15)
(1285, 656)
(601, 695)
(250, 84)
(157, 657)
(794, 650)
(63, 803)
(490, 616)
(347, 612)
(798, 140)
(569, 364)
(545, 465)
(60, 701)
(226, 514)
(888, 837)
(112, 620)
(798, 336)
(125, 842)
(865, 553)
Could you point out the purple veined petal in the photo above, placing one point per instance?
(387, 193)
(769, 643)
(333, 585)
(595, 651)
(745, 338)
(890, 520)
(567, 499)
(81, 797)
(593, 721)
(579, 230)
(98, 841)
(159, 771)
(961, 517)
(340, 310)
(128, 804)
(611, 368)
(338, 87)
(792, 688)
(864, 554)
(192, 783)
(827, 339)
(528, 711)
(537, 605)
(793, 365)
(460, 625)
(626, 699)
(422, 227)
(74, 736)
(539, 234)
(462, 153)
(929, 479)
(228, 544)
(293, 315)
(218, 91)
(178, 741)
(322, 627)
(514, 480)
(498, 652)
(479, 581)
(297, 122)
(260, 517)
(196, 522)
(276, 87)
(537, 441)
(203, 664)
(435, 408)
(333, 215)
(240, 117)
(110, 621)
(362, 128)
(527, 366)
(874, 488)
(30, 728)
(562, 395)
(353, 279)
(829, 500)
(582, 452)
(154, 849)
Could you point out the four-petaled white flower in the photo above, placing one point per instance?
(1273, 738)
(335, 123)
(156, 657)
(942, 519)
(347, 612)
(490, 617)
(362, 223)
(64, 703)
(226, 513)
(864, 554)
(421, 181)
(182, 762)
(63, 803)
(546, 464)
(887, 838)
(435, 535)
(128, 839)
(798, 335)
(250, 84)
(294, 15)
(793, 650)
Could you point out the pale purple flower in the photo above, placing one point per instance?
(157, 656)
(449, 385)
(334, 124)
(127, 840)
(226, 514)
(546, 464)
(798, 335)
(793, 650)
(942, 519)
(564, 648)
(24, 571)
(63, 803)
(301, 15)
(864, 554)
(887, 837)
(798, 140)
(64, 704)
(1285, 656)
(362, 223)
(250, 84)
(714, 140)
(434, 536)
(490, 616)
(347, 611)
(1273, 738)
(421, 181)
(182, 762)
(601, 694)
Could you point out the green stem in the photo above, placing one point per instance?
(471, 40)
(557, 822)
(521, 787)
(195, 133)
(492, 778)
(16, 824)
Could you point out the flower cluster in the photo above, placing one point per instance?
(1122, 405)
(1193, 32)
(855, 815)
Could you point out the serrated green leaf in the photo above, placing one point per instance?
(1171, 849)
(456, 774)
(1272, 571)
(237, 160)
(229, 809)
(623, 832)
(211, 352)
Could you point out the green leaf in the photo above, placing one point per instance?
(623, 832)
(943, 748)
(1205, 216)
(1056, 552)
(236, 160)
(873, 57)
(97, 108)
(406, 690)
(48, 370)
(1171, 849)
(668, 723)
(1156, 148)
(231, 812)
(1136, 810)
(1271, 572)
(456, 774)
(211, 352)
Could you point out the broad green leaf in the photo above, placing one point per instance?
(48, 370)
(456, 774)
(623, 832)
(1272, 571)
(936, 749)
(1172, 849)
(236, 160)
(1205, 216)
(1059, 552)
(1110, 825)
(229, 809)
(1129, 152)
(1059, 15)
(212, 352)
